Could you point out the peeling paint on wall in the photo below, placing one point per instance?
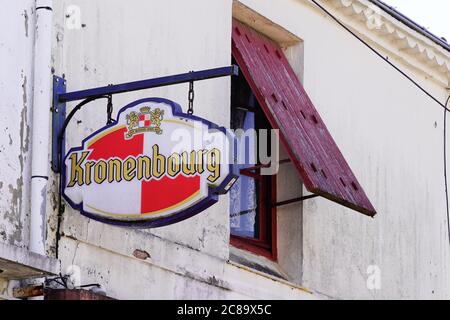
(24, 127)
(13, 214)
(43, 212)
(17, 47)
(194, 264)
(25, 15)
(141, 254)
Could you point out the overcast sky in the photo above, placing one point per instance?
(431, 14)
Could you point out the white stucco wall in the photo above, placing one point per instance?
(392, 136)
(124, 43)
(130, 42)
(389, 132)
(16, 79)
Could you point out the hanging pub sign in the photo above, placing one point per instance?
(152, 167)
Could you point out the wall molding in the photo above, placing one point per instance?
(376, 25)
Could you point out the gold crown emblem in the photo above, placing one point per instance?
(145, 120)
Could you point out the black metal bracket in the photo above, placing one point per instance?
(61, 97)
(58, 117)
(299, 199)
(150, 83)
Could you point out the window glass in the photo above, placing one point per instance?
(251, 211)
(244, 195)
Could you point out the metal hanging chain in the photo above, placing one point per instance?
(109, 110)
(191, 96)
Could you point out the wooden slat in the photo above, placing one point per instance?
(307, 140)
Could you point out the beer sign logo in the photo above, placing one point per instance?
(144, 121)
(152, 167)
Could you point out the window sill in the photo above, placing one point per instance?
(256, 263)
(255, 247)
(261, 266)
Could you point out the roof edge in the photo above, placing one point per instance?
(397, 35)
(411, 23)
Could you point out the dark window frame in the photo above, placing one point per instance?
(266, 242)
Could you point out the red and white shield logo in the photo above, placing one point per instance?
(154, 166)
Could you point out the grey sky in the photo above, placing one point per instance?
(431, 14)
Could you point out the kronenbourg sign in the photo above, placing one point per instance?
(152, 167)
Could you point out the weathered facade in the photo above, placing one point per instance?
(390, 133)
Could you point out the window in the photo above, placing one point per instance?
(252, 215)
(310, 146)
(268, 94)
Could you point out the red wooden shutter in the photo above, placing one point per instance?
(316, 156)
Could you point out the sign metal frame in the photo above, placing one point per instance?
(60, 122)
(213, 193)
(61, 97)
